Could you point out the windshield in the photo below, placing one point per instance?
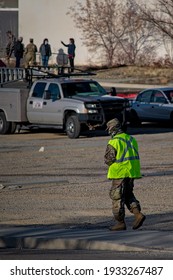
(169, 94)
(89, 88)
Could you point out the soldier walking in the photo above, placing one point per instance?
(123, 162)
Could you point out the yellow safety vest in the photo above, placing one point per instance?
(127, 163)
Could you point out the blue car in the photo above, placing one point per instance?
(152, 105)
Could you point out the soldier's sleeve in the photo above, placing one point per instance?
(110, 155)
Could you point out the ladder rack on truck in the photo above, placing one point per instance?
(38, 72)
(8, 75)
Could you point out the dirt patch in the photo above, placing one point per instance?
(141, 75)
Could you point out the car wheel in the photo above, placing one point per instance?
(4, 124)
(134, 119)
(73, 127)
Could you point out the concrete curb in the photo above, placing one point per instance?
(81, 239)
(65, 244)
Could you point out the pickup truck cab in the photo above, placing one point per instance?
(68, 104)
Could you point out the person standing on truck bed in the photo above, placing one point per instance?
(10, 45)
(45, 51)
(18, 51)
(71, 52)
(30, 54)
(122, 157)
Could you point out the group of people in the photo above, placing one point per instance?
(29, 52)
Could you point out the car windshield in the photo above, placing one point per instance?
(169, 94)
(78, 88)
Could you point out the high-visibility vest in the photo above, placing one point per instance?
(127, 162)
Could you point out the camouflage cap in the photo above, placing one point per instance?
(114, 123)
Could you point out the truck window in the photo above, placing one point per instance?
(54, 91)
(82, 89)
(39, 90)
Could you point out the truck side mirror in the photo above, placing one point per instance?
(47, 94)
(113, 91)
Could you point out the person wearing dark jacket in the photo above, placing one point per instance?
(71, 52)
(45, 51)
(18, 51)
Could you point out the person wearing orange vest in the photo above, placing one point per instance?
(123, 162)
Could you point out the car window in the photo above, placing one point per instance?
(54, 91)
(144, 96)
(158, 97)
(169, 95)
(39, 90)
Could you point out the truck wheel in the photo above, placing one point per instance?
(4, 124)
(73, 127)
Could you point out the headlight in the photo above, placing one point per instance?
(92, 111)
(91, 106)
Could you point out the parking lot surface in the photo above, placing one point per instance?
(47, 179)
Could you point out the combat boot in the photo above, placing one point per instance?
(139, 218)
(119, 226)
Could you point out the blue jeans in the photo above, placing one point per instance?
(45, 60)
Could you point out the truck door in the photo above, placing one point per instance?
(43, 104)
(35, 103)
(52, 113)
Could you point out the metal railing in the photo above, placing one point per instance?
(8, 75)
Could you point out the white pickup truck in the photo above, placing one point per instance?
(68, 104)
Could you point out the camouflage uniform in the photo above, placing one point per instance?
(10, 45)
(30, 54)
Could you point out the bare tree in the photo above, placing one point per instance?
(159, 13)
(140, 37)
(99, 21)
(114, 29)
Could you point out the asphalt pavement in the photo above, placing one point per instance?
(75, 238)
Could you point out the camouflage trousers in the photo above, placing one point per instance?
(122, 195)
(30, 59)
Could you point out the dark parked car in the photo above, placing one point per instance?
(152, 105)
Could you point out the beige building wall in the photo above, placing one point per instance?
(41, 19)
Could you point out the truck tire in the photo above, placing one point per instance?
(73, 127)
(4, 124)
